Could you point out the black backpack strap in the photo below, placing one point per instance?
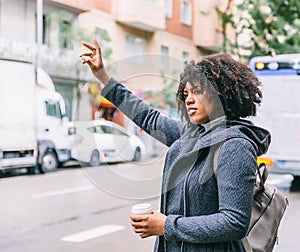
(262, 176)
(246, 245)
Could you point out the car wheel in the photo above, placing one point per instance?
(95, 158)
(49, 162)
(137, 155)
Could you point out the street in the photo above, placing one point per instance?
(73, 210)
(48, 212)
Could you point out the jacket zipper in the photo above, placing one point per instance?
(186, 199)
(185, 195)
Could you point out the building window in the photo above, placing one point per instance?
(185, 55)
(186, 13)
(53, 109)
(164, 50)
(135, 46)
(46, 30)
(57, 28)
(164, 58)
(65, 30)
(168, 8)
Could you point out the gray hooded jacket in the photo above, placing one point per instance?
(203, 213)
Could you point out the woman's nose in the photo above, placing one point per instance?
(189, 99)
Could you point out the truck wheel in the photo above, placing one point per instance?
(95, 158)
(49, 162)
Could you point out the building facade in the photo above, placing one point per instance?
(145, 42)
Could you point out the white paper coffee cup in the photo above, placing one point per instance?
(143, 208)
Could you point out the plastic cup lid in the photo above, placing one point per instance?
(141, 208)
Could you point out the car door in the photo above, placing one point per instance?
(122, 145)
(105, 143)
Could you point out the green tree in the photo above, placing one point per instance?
(268, 26)
(71, 35)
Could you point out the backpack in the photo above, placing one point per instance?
(268, 207)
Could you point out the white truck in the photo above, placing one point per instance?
(280, 110)
(33, 124)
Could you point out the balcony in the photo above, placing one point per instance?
(66, 67)
(146, 15)
(206, 23)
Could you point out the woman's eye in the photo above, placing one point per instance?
(197, 92)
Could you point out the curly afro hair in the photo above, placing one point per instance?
(234, 83)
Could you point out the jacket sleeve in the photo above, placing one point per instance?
(163, 128)
(235, 179)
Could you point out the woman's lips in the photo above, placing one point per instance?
(191, 111)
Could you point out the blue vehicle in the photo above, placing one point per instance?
(280, 110)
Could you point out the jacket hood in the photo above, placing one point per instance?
(260, 137)
(221, 129)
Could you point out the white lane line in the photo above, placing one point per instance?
(25, 177)
(63, 191)
(92, 233)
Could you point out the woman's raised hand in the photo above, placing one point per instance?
(94, 59)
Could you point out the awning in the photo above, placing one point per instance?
(106, 104)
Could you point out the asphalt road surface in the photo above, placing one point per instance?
(87, 209)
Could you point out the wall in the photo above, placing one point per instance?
(103, 5)
(174, 25)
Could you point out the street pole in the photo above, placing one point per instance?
(39, 20)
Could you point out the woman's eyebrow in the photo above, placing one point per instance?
(195, 87)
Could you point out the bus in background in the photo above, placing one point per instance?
(280, 110)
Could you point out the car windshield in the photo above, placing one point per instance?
(100, 129)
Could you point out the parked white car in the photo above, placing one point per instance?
(102, 141)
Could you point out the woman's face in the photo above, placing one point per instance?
(199, 105)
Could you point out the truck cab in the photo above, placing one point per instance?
(33, 125)
(54, 144)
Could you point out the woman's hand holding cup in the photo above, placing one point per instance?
(145, 222)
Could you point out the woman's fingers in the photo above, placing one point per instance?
(97, 47)
(143, 232)
(139, 229)
(148, 224)
(140, 226)
(86, 59)
(86, 54)
(94, 59)
(89, 46)
(137, 223)
(137, 218)
(94, 48)
(144, 235)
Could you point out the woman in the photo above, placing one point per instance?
(201, 210)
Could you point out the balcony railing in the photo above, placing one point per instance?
(55, 61)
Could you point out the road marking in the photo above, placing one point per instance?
(63, 191)
(25, 177)
(92, 233)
